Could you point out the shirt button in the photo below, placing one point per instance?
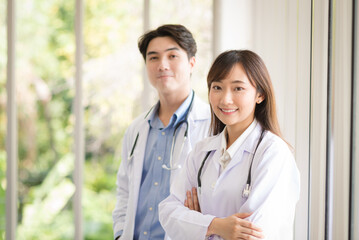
(156, 183)
(159, 158)
(150, 209)
(163, 133)
(145, 233)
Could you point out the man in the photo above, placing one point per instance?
(157, 143)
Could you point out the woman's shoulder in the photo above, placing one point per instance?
(276, 144)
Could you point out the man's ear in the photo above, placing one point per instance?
(192, 62)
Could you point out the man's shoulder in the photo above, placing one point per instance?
(138, 121)
(208, 143)
(201, 110)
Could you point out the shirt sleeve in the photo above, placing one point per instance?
(178, 221)
(275, 192)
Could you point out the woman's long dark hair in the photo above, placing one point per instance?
(257, 73)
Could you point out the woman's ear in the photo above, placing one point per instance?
(260, 98)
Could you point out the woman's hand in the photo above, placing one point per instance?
(232, 227)
(192, 200)
(235, 227)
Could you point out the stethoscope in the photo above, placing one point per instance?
(184, 121)
(247, 189)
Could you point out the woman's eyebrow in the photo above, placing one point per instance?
(238, 81)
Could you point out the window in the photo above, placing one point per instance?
(44, 92)
(3, 54)
(112, 88)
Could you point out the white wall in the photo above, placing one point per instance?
(279, 31)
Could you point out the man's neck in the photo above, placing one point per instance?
(168, 106)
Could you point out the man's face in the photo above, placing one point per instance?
(168, 67)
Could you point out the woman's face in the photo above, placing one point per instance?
(233, 99)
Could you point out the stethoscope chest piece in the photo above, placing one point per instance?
(246, 191)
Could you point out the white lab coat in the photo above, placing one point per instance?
(130, 171)
(274, 194)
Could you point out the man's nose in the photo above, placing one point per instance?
(163, 65)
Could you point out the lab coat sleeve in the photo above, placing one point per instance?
(275, 192)
(122, 190)
(178, 221)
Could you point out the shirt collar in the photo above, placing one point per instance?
(183, 109)
(177, 116)
(227, 154)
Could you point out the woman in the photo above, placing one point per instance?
(246, 170)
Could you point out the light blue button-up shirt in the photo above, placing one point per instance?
(155, 182)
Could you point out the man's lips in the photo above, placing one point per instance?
(165, 75)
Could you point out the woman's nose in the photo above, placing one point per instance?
(227, 97)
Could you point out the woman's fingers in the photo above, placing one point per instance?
(185, 203)
(248, 226)
(243, 215)
(190, 201)
(250, 231)
(245, 223)
(195, 200)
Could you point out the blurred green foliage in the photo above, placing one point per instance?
(112, 88)
(45, 51)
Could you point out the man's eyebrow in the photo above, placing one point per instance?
(173, 48)
(168, 49)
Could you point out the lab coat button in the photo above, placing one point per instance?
(213, 185)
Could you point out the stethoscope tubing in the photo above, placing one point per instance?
(172, 166)
(247, 188)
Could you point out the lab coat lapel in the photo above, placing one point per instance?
(177, 154)
(139, 156)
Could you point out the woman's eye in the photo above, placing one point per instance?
(238, 89)
(216, 87)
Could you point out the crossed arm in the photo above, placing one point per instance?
(232, 227)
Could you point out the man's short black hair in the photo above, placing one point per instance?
(180, 34)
